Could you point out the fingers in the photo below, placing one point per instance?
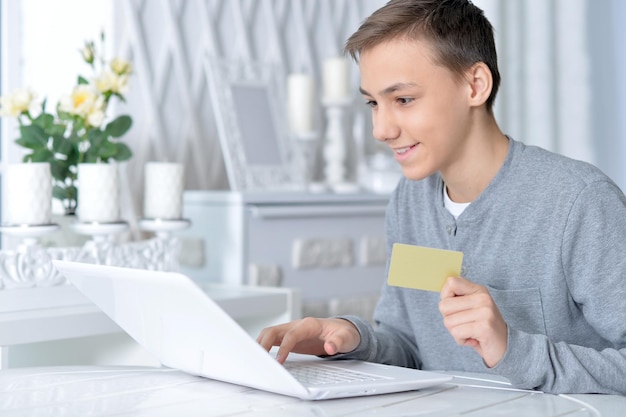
(285, 336)
(469, 323)
(473, 319)
(458, 286)
(310, 336)
(302, 337)
(272, 336)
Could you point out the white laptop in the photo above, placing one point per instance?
(171, 317)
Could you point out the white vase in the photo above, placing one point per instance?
(98, 193)
(29, 193)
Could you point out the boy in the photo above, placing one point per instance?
(542, 296)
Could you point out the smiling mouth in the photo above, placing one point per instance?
(402, 151)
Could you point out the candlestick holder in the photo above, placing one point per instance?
(307, 147)
(101, 248)
(335, 145)
(165, 247)
(30, 265)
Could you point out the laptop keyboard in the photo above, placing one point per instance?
(317, 374)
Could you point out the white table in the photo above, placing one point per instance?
(162, 392)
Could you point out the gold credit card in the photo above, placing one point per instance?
(422, 268)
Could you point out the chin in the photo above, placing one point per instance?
(415, 175)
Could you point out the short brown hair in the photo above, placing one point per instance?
(457, 30)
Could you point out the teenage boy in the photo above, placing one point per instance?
(542, 299)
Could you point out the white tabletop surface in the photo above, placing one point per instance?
(142, 391)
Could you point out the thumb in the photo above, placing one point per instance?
(455, 286)
(330, 347)
(342, 337)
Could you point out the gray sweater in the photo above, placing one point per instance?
(548, 239)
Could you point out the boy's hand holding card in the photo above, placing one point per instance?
(422, 268)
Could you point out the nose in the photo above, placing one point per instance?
(385, 126)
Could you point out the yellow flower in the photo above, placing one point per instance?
(21, 101)
(86, 102)
(121, 66)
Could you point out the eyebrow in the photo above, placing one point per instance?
(389, 90)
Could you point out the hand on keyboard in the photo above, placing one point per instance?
(311, 336)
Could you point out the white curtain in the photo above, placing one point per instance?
(545, 96)
(620, 52)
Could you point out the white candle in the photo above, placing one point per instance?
(163, 190)
(28, 193)
(336, 79)
(300, 101)
(98, 193)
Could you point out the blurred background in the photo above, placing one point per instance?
(563, 65)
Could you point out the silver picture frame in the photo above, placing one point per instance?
(251, 125)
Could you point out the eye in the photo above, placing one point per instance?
(404, 100)
(371, 103)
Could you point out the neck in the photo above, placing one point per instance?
(482, 157)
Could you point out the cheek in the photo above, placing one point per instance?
(448, 120)
(426, 126)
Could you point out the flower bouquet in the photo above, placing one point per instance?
(75, 132)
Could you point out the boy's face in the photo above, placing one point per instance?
(419, 108)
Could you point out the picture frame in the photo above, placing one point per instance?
(251, 125)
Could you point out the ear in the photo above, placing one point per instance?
(480, 83)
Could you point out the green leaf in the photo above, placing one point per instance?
(123, 152)
(78, 123)
(44, 120)
(91, 156)
(63, 115)
(119, 126)
(72, 157)
(57, 129)
(96, 137)
(61, 145)
(33, 137)
(82, 80)
(42, 155)
(59, 193)
(107, 150)
(59, 170)
(24, 143)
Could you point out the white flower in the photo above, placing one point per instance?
(111, 82)
(86, 102)
(121, 66)
(19, 102)
(95, 118)
(88, 52)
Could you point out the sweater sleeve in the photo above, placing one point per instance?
(594, 263)
(382, 345)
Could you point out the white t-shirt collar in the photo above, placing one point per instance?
(454, 208)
